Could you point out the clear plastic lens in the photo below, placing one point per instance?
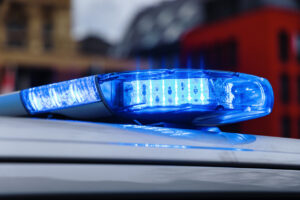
(248, 93)
(60, 95)
(187, 96)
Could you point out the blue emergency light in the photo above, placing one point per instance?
(185, 96)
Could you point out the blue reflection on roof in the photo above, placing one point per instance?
(172, 146)
(195, 135)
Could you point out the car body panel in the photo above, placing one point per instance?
(54, 157)
(59, 139)
(31, 179)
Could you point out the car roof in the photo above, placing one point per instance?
(44, 140)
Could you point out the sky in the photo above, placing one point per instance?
(105, 18)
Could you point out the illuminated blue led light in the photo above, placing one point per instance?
(165, 92)
(60, 95)
(199, 97)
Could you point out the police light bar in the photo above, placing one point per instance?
(198, 97)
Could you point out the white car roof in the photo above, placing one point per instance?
(42, 139)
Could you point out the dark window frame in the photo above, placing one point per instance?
(298, 48)
(286, 126)
(298, 88)
(285, 88)
(48, 28)
(284, 46)
(16, 26)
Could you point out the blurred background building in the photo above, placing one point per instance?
(36, 45)
(260, 37)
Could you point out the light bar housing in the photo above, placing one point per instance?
(200, 97)
(182, 96)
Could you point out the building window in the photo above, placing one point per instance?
(284, 46)
(48, 27)
(230, 54)
(298, 88)
(221, 55)
(28, 76)
(298, 48)
(285, 87)
(16, 26)
(286, 126)
(298, 127)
